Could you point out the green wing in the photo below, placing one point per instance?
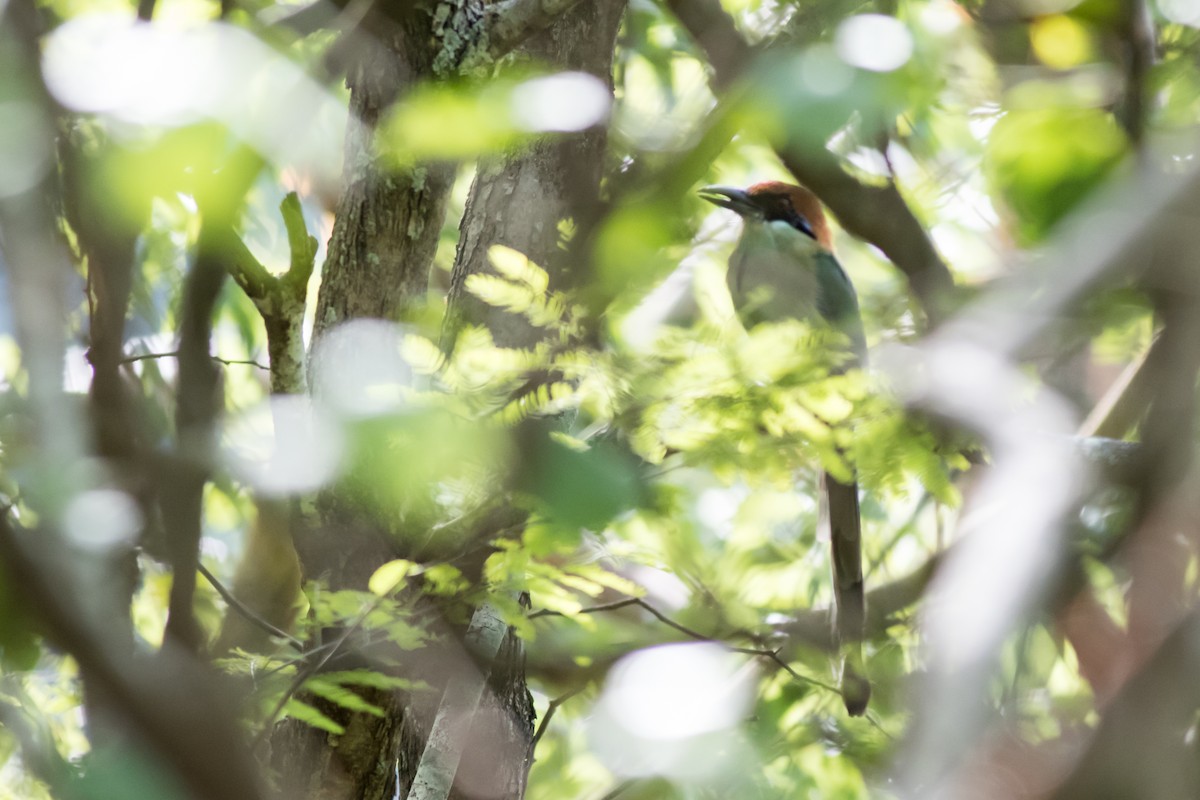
(838, 303)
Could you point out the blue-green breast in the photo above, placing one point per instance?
(777, 272)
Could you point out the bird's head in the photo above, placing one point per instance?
(775, 201)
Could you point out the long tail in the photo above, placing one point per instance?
(845, 534)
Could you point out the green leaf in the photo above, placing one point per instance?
(425, 357)
(498, 292)
(298, 709)
(516, 267)
(449, 121)
(372, 679)
(584, 489)
(390, 576)
(334, 692)
(1044, 161)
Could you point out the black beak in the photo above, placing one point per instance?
(735, 200)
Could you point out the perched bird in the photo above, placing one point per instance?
(784, 267)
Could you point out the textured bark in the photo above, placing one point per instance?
(388, 220)
(519, 200)
(383, 242)
(385, 235)
(374, 760)
(384, 238)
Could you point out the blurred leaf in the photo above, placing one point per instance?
(118, 773)
(1043, 162)
(297, 709)
(390, 576)
(450, 121)
(516, 267)
(581, 488)
(371, 679)
(330, 689)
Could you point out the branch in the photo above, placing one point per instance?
(281, 300)
(511, 22)
(197, 398)
(443, 748)
(811, 628)
(303, 248)
(1139, 57)
(876, 214)
(169, 700)
(198, 393)
(714, 31)
(243, 609)
(550, 709)
(248, 362)
(1125, 402)
(758, 652)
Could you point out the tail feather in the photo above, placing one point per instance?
(849, 624)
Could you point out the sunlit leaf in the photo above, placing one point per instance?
(390, 576)
(297, 709)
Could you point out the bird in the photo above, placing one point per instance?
(784, 267)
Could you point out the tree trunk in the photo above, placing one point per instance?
(388, 220)
(380, 252)
(520, 200)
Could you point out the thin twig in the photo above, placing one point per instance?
(770, 655)
(550, 709)
(309, 669)
(175, 354)
(629, 601)
(244, 610)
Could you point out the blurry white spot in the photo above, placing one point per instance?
(100, 519)
(214, 548)
(716, 508)
(874, 42)
(24, 147)
(663, 588)
(106, 63)
(960, 245)
(823, 73)
(673, 711)
(981, 124)
(358, 368)
(77, 372)
(1007, 548)
(154, 74)
(568, 101)
(870, 160)
(283, 446)
(941, 17)
(677, 691)
(1185, 12)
